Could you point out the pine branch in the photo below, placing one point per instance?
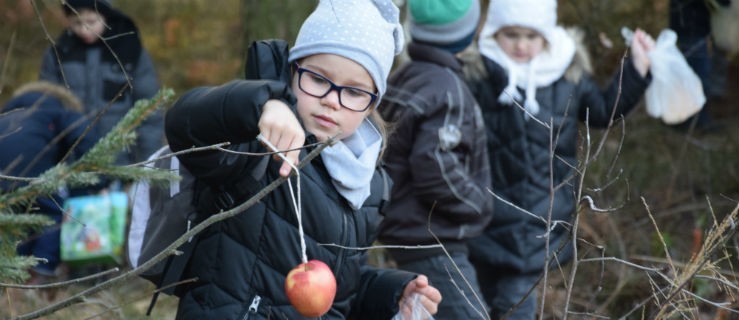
(99, 161)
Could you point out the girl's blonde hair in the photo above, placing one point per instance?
(382, 127)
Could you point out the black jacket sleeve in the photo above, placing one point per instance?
(210, 115)
(624, 93)
(379, 293)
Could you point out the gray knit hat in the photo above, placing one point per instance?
(449, 24)
(366, 31)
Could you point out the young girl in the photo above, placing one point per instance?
(338, 74)
(532, 79)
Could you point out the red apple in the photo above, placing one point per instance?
(311, 288)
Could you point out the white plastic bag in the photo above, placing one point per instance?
(412, 309)
(676, 92)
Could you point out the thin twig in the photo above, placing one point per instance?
(628, 263)
(679, 264)
(429, 246)
(62, 283)
(482, 313)
(552, 143)
(216, 146)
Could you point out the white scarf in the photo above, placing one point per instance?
(351, 163)
(548, 66)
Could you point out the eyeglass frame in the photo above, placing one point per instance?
(332, 87)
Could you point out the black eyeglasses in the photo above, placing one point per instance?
(318, 86)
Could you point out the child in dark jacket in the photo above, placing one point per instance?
(101, 59)
(38, 128)
(437, 156)
(532, 79)
(334, 76)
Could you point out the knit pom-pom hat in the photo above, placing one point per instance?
(365, 31)
(448, 24)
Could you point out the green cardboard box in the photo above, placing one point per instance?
(94, 228)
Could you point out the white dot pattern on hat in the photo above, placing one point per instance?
(366, 31)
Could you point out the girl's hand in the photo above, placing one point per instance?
(428, 296)
(641, 44)
(281, 128)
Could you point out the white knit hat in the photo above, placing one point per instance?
(540, 15)
(366, 31)
(548, 66)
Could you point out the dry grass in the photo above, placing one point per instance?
(128, 300)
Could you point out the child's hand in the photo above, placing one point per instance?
(429, 296)
(641, 44)
(281, 128)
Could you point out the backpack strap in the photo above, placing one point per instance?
(386, 189)
(213, 199)
(175, 265)
(173, 271)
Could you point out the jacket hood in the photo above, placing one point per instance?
(71, 7)
(45, 88)
(121, 36)
(474, 68)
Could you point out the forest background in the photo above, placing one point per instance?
(657, 246)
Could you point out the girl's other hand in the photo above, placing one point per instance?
(429, 296)
(281, 128)
(641, 44)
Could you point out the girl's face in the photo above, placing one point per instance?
(88, 25)
(322, 111)
(519, 43)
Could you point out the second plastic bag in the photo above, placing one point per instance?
(676, 92)
(412, 309)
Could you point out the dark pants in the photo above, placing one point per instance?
(459, 301)
(695, 50)
(45, 244)
(509, 295)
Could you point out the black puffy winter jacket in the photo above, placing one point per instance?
(524, 169)
(437, 156)
(242, 262)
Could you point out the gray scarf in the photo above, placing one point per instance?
(351, 163)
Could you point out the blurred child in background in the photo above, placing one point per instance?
(101, 59)
(437, 156)
(39, 127)
(528, 78)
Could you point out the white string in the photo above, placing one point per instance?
(296, 204)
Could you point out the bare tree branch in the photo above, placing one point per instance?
(172, 248)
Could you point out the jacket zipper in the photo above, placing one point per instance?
(345, 235)
(253, 307)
